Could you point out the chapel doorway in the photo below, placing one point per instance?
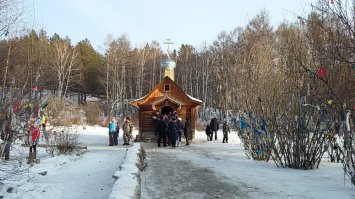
(166, 110)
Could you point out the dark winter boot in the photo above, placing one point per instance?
(34, 157)
(30, 158)
(7, 156)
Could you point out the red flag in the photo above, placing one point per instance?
(322, 72)
(16, 107)
(34, 88)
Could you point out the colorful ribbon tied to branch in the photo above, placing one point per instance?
(34, 88)
(243, 124)
(322, 72)
(330, 102)
(16, 107)
(263, 125)
(44, 106)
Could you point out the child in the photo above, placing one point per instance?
(209, 133)
(226, 130)
(112, 130)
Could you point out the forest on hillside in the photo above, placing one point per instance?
(235, 72)
(293, 84)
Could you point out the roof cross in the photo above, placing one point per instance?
(168, 41)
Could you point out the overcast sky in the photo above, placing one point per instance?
(184, 21)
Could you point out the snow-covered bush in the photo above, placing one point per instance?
(300, 137)
(346, 152)
(65, 141)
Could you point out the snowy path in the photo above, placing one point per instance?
(88, 176)
(172, 177)
(216, 170)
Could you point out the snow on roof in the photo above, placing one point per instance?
(197, 100)
(140, 98)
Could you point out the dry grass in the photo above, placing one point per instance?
(92, 113)
(55, 110)
(199, 127)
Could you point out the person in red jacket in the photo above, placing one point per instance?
(34, 133)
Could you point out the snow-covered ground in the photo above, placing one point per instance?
(85, 176)
(219, 170)
(202, 170)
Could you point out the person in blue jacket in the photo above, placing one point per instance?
(112, 130)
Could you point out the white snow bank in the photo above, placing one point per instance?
(128, 175)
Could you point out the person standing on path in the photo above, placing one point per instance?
(34, 133)
(127, 128)
(172, 131)
(111, 131)
(214, 127)
(166, 120)
(180, 129)
(187, 129)
(209, 133)
(226, 130)
(115, 135)
(155, 119)
(162, 129)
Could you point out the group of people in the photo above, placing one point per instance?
(114, 129)
(213, 127)
(170, 128)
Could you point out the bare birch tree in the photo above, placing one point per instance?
(62, 63)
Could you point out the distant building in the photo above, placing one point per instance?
(166, 97)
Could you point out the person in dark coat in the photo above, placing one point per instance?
(156, 124)
(209, 133)
(162, 129)
(187, 130)
(180, 130)
(172, 129)
(115, 135)
(214, 127)
(226, 130)
(167, 121)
